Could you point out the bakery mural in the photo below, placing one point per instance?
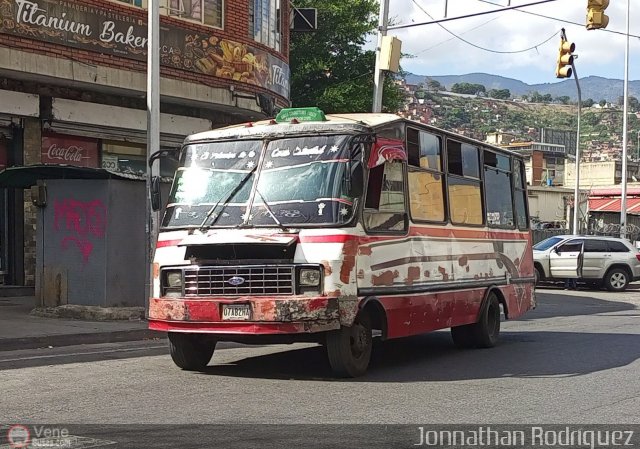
(87, 27)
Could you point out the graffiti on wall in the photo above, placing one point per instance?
(82, 223)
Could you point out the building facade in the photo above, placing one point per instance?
(73, 87)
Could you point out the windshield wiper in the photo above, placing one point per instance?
(266, 206)
(227, 198)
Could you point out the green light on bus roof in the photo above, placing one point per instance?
(301, 114)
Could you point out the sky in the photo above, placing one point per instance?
(436, 52)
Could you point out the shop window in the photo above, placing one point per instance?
(384, 205)
(125, 157)
(497, 185)
(207, 12)
(265, 22)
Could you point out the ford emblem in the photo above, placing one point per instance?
(236, 280)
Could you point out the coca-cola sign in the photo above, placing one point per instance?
(69, 150)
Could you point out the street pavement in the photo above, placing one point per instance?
(572, 360)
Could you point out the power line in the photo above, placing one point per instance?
(557, 19)
(397, 27)
(452, 38)
(483, 48)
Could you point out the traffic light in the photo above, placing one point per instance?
(596, 18)
(565, 59)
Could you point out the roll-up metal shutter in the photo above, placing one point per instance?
(121, 134)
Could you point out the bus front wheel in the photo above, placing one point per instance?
(191, 352)
(349, 348)
(484, 333)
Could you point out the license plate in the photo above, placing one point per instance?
(236, 312)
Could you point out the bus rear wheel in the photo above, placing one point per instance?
(484, 333)
(349, 348)
(191, 352)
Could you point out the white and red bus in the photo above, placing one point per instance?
(337, 228)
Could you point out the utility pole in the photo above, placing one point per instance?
(153, 133)
(623, 201)
(378, 80)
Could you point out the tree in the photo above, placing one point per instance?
(602, 103)
(501, 94)
(434, 85)
(564, 99)
(468, 88)
(588, 103)
(329, 67)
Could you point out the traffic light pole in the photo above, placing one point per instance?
(576, 194)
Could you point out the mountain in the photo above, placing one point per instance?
(594, 87)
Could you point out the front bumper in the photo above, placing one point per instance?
(269, 315)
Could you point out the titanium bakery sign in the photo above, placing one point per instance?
(79, 25)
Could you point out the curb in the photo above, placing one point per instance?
(14, 344)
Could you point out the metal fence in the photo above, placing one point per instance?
(539, 235)
(631, 232)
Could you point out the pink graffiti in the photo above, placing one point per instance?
(82, 221)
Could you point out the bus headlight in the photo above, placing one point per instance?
(309, 277)
(174, 279)
(172, 283)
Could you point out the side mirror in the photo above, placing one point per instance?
(156, 199)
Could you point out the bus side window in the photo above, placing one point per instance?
(384, 206)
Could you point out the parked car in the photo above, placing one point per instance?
(596, 260)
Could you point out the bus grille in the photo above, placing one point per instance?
(250, 280)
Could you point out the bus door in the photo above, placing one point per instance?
(565, 261)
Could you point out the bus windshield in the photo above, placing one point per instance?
(300, 181)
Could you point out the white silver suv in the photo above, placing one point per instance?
(598, 261)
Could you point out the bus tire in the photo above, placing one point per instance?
(349, 348)
(462, 336)
(483, 334)
(191, 352)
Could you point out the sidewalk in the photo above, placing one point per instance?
(20, 330)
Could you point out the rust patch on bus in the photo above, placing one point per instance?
(385, 278)
(327, 267)
(413, 273)
(349, 253)
(364, 250)
(427, 274)
(348, 307)
(361, 274)
(296, 310)
(463, 260)
(169, 310)
(443, 272)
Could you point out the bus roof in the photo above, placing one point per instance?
(348, 123)
(266, 127)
